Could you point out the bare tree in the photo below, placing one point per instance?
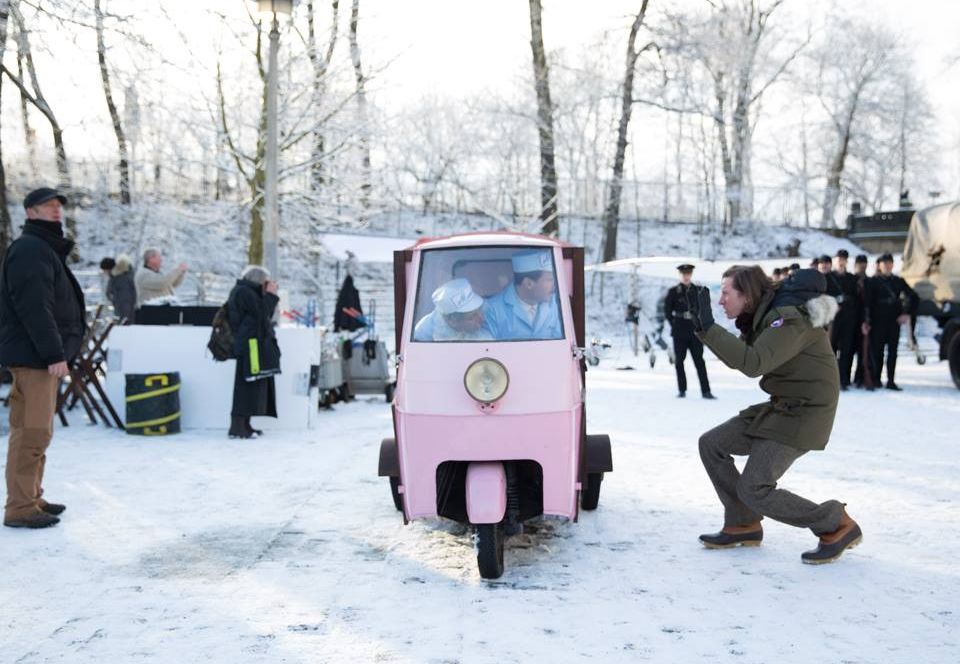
(112, 107)
(851, 63)
(611, 215)
(6, 227)
(548, 173)
(737, 48)
(40, 103)
(321, 65)
(365, 185)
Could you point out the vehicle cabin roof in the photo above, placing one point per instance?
(488, 238)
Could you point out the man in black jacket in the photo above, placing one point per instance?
(42, 322)
(843, 332)
(678, 309)
(890, 302)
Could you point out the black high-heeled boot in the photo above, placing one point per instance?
(253, 432)
(238, 428)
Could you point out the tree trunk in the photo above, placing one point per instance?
(6, 226)
(112, 107)
(835, 172)
(548, 173)
(29, 136)
(40, 103)
(611, 216)
(365, 185)
(320, 67)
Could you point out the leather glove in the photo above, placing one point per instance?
(703, 313)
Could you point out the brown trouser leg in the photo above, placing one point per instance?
(33, 402)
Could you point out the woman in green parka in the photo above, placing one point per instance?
(783, 341)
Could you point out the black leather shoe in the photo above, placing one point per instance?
(36, 520)
(709, 395)
(827, 551)
(54, 509)
(681, 394)
(895, 387)
(724, 540)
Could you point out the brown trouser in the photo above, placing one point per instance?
(33, 404)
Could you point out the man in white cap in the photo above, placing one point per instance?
(457, 315)
(527, 309)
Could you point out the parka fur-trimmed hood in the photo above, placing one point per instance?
(123, 265)
(822, 310)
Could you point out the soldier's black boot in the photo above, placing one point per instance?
(708, 395)
(256, 433)
(832, 545)
(731, 536)
(682, 394)
(893, 386)
(238, 428)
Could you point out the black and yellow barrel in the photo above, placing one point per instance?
(153, 404)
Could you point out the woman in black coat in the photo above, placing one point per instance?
(250, 309)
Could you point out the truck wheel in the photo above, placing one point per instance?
(590, 496)
(490, 550)
(953, 357)
(395, 492)
(389, 390)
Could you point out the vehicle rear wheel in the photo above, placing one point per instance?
(490, 550)
(395, 492)
(590, 496)
(953, 357)
(389, 390)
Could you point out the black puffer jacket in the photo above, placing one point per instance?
(42, 312)
(250, 312)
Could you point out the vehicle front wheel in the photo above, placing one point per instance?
(395, 492)
(953, 357)
(490, 550)
(590, 496)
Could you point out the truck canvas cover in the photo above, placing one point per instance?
(931, 257)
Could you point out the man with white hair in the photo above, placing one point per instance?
(151, 283)
(457, 315)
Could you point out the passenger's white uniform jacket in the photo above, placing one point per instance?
(508, 319)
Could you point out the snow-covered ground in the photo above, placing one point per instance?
(288, 549)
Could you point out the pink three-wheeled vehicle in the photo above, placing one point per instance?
(488, 412)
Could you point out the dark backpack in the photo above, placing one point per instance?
(221, 337)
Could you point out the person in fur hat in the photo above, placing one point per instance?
(783, 341)
(121, 290)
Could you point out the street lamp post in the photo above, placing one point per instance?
(271, 203)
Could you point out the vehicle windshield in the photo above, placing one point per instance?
(487, 294)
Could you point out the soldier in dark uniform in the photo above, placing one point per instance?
(678, 309)
(890, 302)
(860, 273)
(843, 334)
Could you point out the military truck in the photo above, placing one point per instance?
(931, 265)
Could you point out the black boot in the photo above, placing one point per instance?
(255, 433)
(238, 428)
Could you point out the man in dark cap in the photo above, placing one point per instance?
(890, 302)
(862, 372)
(678, 309)
(842, 286)
(42, 323)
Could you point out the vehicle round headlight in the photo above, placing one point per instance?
(486, 380)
